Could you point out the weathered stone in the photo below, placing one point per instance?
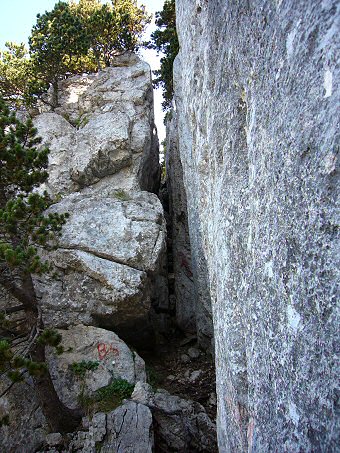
(257, 96)
(54, 439)
(91, 344)
(103, 129)
(194, 353)
(82, 442)
(186, 306)
(110, 264)
(180, 425)
(195, 375)
(129, 430)
(113, 249)
(104, 147)
(90, 441)
(185, 358)
(98, 427)
(27, 426)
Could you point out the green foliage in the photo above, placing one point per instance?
(121, 195)
(120, 388)
(6, 353)
(81, 122)
(17, 365)
(15, 74)
(72, 38)
(57, 41)
(80, 368)
(49, 337)
(111, 28)
(24, 229)
(23, 225)
(165, 40)
(107, 398)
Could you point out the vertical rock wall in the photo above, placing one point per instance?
(257, 92)
(193, 307)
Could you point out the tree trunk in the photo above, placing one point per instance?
(59, 417)
(97, 57)
(55, 97)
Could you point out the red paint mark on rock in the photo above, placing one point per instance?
(105, 348)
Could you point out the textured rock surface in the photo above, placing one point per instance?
(104, 155)
(257, 92)
(110, 266)
(27, 425)
(127, 429)
(91, 344)
(180, 425)
(107, 254)
(103, 129)
(182, 268)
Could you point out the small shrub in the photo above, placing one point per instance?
(81, 122)
(107, 398)
(80, 368)
(121, 195)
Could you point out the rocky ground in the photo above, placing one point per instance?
(180, 367)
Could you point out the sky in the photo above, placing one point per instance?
(17, 18)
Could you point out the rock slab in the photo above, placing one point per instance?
(180, 425)
(257, 96)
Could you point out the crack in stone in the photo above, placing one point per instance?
(102, 256)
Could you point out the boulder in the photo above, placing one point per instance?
(127, 429)
(180, 425)
(103, 129)
(105, 351)
(110, 258)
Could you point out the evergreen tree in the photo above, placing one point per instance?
(56, 43)
(165, 40)
(24, 229)
(71, 39)
(15, 74)
(111, 28)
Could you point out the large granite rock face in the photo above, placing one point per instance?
(110, 263)
(184, 290)
(257, 95)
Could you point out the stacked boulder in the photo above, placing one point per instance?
(109, 269)
(104, 166)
